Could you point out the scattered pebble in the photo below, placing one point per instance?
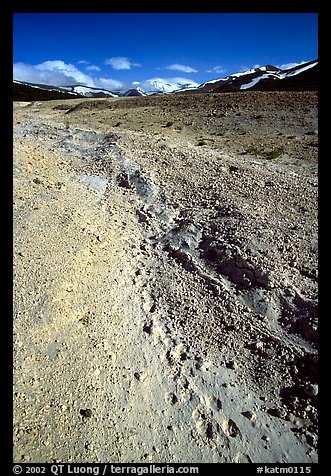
(137, 376)
(248, 210)
(87, 413)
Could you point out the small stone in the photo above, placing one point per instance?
(311, 390)
(233, 430)
(248, 414)
(277, 412)
(137, 375)
(147, 328)
(86, 412)
(231, 365)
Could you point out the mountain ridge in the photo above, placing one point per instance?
(251, 78)
(263, 78)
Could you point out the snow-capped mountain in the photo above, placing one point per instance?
(159, 85)
(89, 91)
(145, 88)
(42, 86)
(264, 78)
(73, 89)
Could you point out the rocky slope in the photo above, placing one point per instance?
(165, 279)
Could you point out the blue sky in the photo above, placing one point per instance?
(116, 50)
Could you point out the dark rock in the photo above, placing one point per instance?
(277, 412)
(209, 431)
(248, 414)
(311, 390)
(233, 429)
(147, 328)
(231, 365)
(123, 180)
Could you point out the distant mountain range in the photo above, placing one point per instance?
(153, 86)
(303, 77)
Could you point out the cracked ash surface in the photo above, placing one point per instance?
(165, 279)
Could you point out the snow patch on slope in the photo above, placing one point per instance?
(256, 80)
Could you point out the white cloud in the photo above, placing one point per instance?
(92, 67)
(59, 68)
(58, 73)
(120, 62)
(290, 65)
(45, 73)
(109, 83)
(83, 62)
(216, 69)
(182, 67)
